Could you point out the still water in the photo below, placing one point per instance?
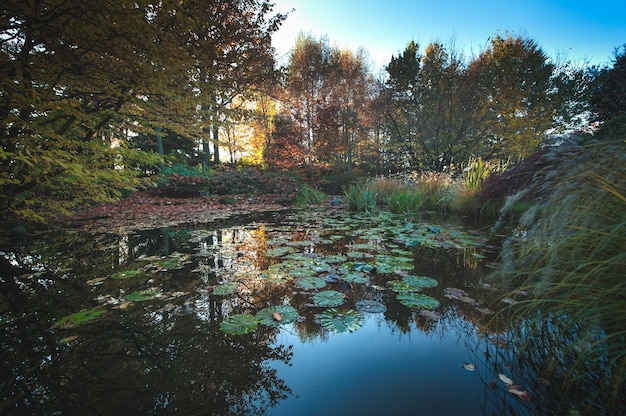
(307, 312)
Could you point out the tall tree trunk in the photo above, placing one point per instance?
(216, 145)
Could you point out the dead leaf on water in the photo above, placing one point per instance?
(469, 366)
(522, 394)
(505, 379)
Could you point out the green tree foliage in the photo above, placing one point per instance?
(516, 88)
(443, 109)
(76, 76)
(608, 99)
(432, 112)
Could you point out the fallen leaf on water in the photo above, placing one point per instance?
(522, 394)
(505, 379)
(277, 316)
(69, 339)
(469, 366)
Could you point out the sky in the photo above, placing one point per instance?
(584, 32)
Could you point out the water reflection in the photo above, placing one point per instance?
(162, 351)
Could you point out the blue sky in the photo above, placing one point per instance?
(581, 31)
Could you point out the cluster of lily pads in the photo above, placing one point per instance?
(340, 251)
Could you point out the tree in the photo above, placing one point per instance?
(517, 92)
(608, 97)
(433, 112)
(73, 72)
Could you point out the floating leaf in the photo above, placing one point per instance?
(355, 278)
(95, 282)
(401, 286)
(125, 275)
(362, 267)
(371, 306)
(69, 339)
(417, 300)
(421, 282)
(141, 295)
(469, 366)
(522, 394)
(347, 320)
(335, 259)
(505, 379)
(239, 324)
(311, 283)
(277, 315)
(279, 251)
(79, 318)
(225, 289)
(328, 298)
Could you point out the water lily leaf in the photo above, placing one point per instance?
(79, 318)
(311, 283)
(355, 278)
(225, 289)
(239, 324)
(401, 286)
(347, 320)
(362, 267)
(279, 251)
(141, 295)
(417, 300)
(422, 282)
(277, 315)
(328, 298)
(370, 306)
(303, 271)
(335, 259)
(125, 274)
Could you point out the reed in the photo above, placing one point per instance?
(308, 195)
(569, 254)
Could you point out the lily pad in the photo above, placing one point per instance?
(355, 278)
(311, 282)
(79, 318)
(141, 295)
(125, 274)
(362, 267)
(417, 300)
(277, 315)
(400, 286)
(421, 282)
(279, 251)
(370, 306)
(239, 324)
(225, 289)
(347, 320)
(328, 298)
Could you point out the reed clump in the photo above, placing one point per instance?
(569, 254)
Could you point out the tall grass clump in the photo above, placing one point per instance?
(569, 255)
(465, 198)
(308, 195)
(360, 198)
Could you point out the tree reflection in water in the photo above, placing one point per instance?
(166, 354)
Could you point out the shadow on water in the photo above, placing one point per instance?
(135, 324)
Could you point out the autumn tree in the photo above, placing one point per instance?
(327, 92)
(74, 73)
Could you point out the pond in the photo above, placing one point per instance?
(303, 312)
